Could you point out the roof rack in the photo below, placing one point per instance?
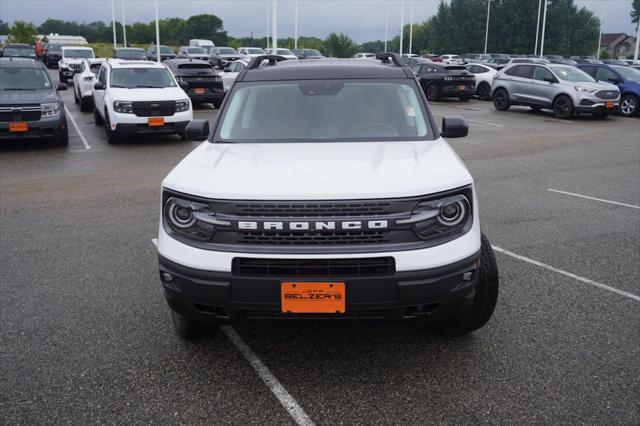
(387, 56)
(257, 61)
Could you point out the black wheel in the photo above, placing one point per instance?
(501, 100)
(217, 104)
(112, 135)
(84, 105)
(484, 300)
(185, 328)
(75, 96)
(629, 105)
(62, 138)
(484, 92)
(432, 92)
(464, 98)
(601, 114)
(97, 118)
(563, 107)
(61, 78)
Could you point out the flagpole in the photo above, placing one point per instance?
(411, 27)
(401, 24)
(113, 23)
(124, 25)
(157, 34)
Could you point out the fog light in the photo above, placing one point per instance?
(467, 276)
(167, 277)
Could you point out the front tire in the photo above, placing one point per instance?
(75, 95)
(484, 300)
(97, 118)
(432, 92)
(484, 92)
(563, 107)
(501, 100)
(62, 138)
(185, 328)
(629, 105)
(112, 135)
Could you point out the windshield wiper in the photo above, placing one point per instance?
(150, 87)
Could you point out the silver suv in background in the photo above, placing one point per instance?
(564, 89)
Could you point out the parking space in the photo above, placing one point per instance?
(87, 336)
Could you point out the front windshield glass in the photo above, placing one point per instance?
(19, 51)
(196, 50)
(312, 52)
(196, 69)
(227, 51)
(284, 52)
(54, 48)
(629, 73)
(24, 79)
(255, 51)
(165, 49)
(569, 73)
(132, 78)
(320, 110)
(77, 53)
(130, 54)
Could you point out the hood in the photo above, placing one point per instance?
(318, 171)
(148, 94)
(72, 61)
(21, 97)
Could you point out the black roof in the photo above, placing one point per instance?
(18, 62)
(323, 69)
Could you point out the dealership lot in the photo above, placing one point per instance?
(86, 333)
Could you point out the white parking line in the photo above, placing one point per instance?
(484, 122)
(568, 274)
(594, 199)
(73, 121)
(288, 402)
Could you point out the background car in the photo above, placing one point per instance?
(364, 56)
(129, 53)
(412, 62)
(222, 56)
(231, 72)
(285, 53)
(445, 81)
(71, 61)
(30, 105)
(564, 89)
(206, 44)
(52, 54)
(476, 57)
(452, 59)
(165, 53)
(484, 79)
(250, 51)
(19, 50)
(198, 79)
(193, 52)
(433, 58)
(626, 78)
(308, 54)
(83, 82)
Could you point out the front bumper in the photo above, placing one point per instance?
(593, 104)
(48, 127)
(219, 297)
(129, 129)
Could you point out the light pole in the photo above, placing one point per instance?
(274, 26)
(401, 24)
(635, 54)
(268, 22)
(386, 26)
(157, 34)
(113, 23)
(544, 27)
(124, 26)
(295, 26)
(535, 49)
(601, 18)
(411, 27)
(486, 31)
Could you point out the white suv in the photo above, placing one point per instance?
(325, 195)
(71, 61)
(139, 98)
(83, 82)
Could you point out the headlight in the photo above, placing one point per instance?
(62, 66)
(182, 105)
(49, 110)
(444, 218)
(190, 219)
(123, 107)
(583, 89)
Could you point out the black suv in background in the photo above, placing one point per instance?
(307, 53)
(441, 81)
(222, 56)
(52, 54)
(29, 103)
(129, 53)
(165, 53)
(198, 79)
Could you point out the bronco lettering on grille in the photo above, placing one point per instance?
(314, 226)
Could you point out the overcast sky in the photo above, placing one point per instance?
(363, 20)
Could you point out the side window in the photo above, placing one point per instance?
(541, 73)
(592, 71)
(239, 66)
(522, 71)
(605, 74)
(513, 71)
(102, 76)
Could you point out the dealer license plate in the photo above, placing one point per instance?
(155, 121)
(312, 297)
(18, 126)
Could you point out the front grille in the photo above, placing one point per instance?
(311, 210)
(154, 109)
(75, 67)
(317, 268)
(314, 238)
(607, 94)
(20, 113)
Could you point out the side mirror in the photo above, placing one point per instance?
(183, 85)
(99, 86)
(454, 127)
(61, 86)
(197, 130)
(549, 79)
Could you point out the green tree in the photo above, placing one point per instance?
(23, 32)
(4, 27)
(373, 46)
(204, 26)
(340, 45)
(635, 12)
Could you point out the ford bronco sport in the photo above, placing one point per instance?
(325, 190)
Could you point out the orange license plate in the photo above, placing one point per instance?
(155, 121)
(608, 104)
(18, 126)
(312, 297)
(199, 90)
(462, 87)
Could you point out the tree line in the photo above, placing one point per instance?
(457, 27)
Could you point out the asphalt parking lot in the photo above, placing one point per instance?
(86, 335)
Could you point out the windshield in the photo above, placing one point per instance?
(321, 110)
(19, 51)
(24, 79)
(255, 51)
(569, 73)
(227, 51)
(312, 52)
(165, 49)
(132, 78)
(196, 50)
(284, 52)
(130, 54)
(77, 53)
(629, 73)
(196, 69)
(54, 48)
